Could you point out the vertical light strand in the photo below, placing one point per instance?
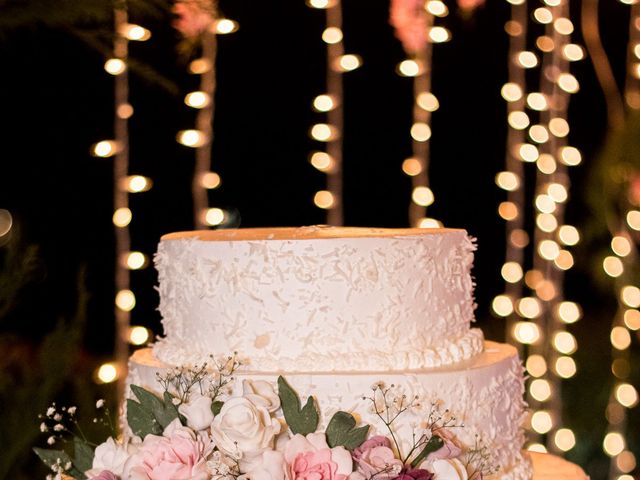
(331, 103)
(512, 178)
(632, 83)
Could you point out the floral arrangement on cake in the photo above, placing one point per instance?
(201, 429)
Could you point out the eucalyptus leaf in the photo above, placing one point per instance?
(216, 407)
(434, 443)
(52, 458)
(163, 411)
(342, 431)
(141, 420)
(300, 420)
(82, 455)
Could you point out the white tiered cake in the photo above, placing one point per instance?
(335, 310)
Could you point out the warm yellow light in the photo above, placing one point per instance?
(536, 365)
(546, 291)
(572, 52)
(428, 101)
(558, 193)
(537, 101)
(565, 367)
(512, 27)
(527, 59)
(214, 216)
(632, 319)
(541, 421)
(528, 152)
(570, 156)
(636, 50)
(565, 343)
(519, 238)
(197, 99)
(559, 127)
(627, 395)
(138, 335)
(526, 332)
(546, 222)
(332, 35)
(349, 62)
(420, 132)
(135, 33)
(422, 196)
(115, 66)
(225, 26)
(191, 138)
(569, 312)
(502, 305)
(511, 272)
(564, 260)
(324, 103)
(537, 447)
(322, 161)
(105, 148)
(136, 260)
(613, 444)
(321, 3)
(518, 120)
(563, 26)
(6, 222)
(564, 439)
(620, 338)
(625, 477)
(200, 66)
(409, 68)
(324, 199)
(546, 163)
(210, 180)
(636, 70)
(633, 219)
(426, 222)
(533, 279)
(437, 8)
(439, 34)
(124, 110)
(613, 266)
(538, 134)
(137, 183)
(630, 296)
(543, 15)
(545, 44)
(511, 92)
(412, 167)
(323, 132)
(545, 204)
(508, 181)
(548, 249)
(122, 217)
(508, 211)
(540, 390)
(568, 83)
(569, 235)
(620, 246)
(106, 373)
(626, 462)
(125, 300)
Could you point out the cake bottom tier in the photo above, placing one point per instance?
(484, 394)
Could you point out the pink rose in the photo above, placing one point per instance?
(178, 455)
(375, 458)
(448, 450)
(414, 474)
(310, 458)
(105, 475)
(409, 20)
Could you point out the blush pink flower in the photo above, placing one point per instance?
(192, 17)
(375, 457)
(310, 458)
(105, 475)
(410, 23)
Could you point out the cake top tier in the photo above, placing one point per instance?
(303, 233)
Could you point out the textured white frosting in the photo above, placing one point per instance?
(484, 393)
(318, 298)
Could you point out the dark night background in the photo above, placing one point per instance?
(56, 100)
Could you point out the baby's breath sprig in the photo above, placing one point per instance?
(226, 369)
(479, 461)
(60, 422)
(181, 380)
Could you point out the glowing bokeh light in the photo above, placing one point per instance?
(565, 367)
(332, 35)
(508, 181)
(502, 305)
(191, 138)
(613, 266)
(412, 167)
(422, 196)
(565, 343)
(210, 180)
(122, 217)
(569, 312)
(115, 66)
(106, 373)
(540, 390)
(511, 272)
(541, 421)
(564, 439)
(620, 338)
(125, 300)
(613, 444)
(420, 132)
(621, 246)
(214, 216)
(138, 335)
(569, 235)
(526, 332)
(197, 99)
(536, 365)
(324, 199)
(427, 101)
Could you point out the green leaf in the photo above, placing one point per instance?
(216, 407)
(300, 420)
(170, 412)
(341, 431)
(434, 443)
(50, 458)
(82, 455)
(141, 421)
(163, 411)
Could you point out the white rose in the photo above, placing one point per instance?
(244, 430)
(449, 469)
(197, 411)
(110, 455)
(270, 466)
(261, 393)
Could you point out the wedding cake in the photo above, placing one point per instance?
(365, 321)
